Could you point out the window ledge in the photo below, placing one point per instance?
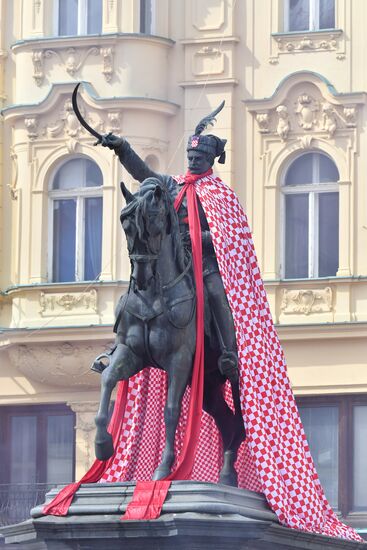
(325, 40)
(314, 33)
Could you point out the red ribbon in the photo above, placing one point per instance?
(59, 506)
(148, 499)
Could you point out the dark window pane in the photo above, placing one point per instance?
(60, 443)
(146, 16)
(92, 238)
(23, 454)
(68, 17)
(300, 171)
(299, 15)
(64, 228)
(94, 17)
(359, 462)
(296, 236)
(321, 425)
(328, 170)
(328, 234)
(93, 175)
(327, 14)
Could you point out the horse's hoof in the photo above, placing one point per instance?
(161, 472)
(229, 478)
(104, 449)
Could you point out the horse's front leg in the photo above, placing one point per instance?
(123, 364)
(178, 371)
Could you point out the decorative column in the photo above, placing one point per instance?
(84, 435)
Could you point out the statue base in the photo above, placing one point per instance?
(195, 515)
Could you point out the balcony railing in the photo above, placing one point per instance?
(17, 499)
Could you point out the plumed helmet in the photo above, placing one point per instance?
(209, 143)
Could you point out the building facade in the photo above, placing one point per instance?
(292, 75)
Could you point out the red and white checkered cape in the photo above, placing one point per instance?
(275, 457)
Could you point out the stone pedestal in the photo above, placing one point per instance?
(195, 516)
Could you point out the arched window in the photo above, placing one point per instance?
(311, 220)
(76, 197)
(76, 17)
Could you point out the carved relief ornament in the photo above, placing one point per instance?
(82, 302)
(306, 301)
(309, 115)
(72, 60)
(306, 107)
(323, 41)
(61, 364)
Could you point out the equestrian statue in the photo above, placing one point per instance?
(155, 319)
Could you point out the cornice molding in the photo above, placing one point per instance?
(86, 41)
(211, 40)
(91, 98)
(209, 82)
(327, 90)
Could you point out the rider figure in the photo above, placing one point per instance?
(201, 153)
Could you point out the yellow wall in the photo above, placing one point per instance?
(153, 90)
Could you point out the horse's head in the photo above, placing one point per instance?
(145, 220)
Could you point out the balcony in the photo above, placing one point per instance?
(17, 499)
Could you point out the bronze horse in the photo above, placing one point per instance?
(155, 326)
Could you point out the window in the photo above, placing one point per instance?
(36, 453)
(309, 15)
(79, 17)
(147, 16)
(76, 200)
(311, 218)
(336, 429)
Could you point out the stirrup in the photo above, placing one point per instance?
(98, 365)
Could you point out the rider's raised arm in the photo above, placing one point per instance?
(136, 167)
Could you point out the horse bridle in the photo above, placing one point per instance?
(143, 257)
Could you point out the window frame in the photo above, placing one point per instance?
(41, 412)
(314, 17)
(79, 194)
(313, 190)
(82, 28)
(345, 404)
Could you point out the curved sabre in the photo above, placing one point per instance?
(80, 118)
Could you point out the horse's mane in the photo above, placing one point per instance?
(145, 198)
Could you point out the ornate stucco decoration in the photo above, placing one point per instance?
(350, 116)
(305, 142)
(61, 364)
(113, 122)
(85, 427)
(298, 43)
(14, 180)
(107, 55)
(67, 126)
(306, 107)
(319, 117)
(307, 301)
(208, 60)
(329, 119)
(263, 122)
(305, 112)
(72, 59)
(31, 124)
(283, 126)
(77, 303)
